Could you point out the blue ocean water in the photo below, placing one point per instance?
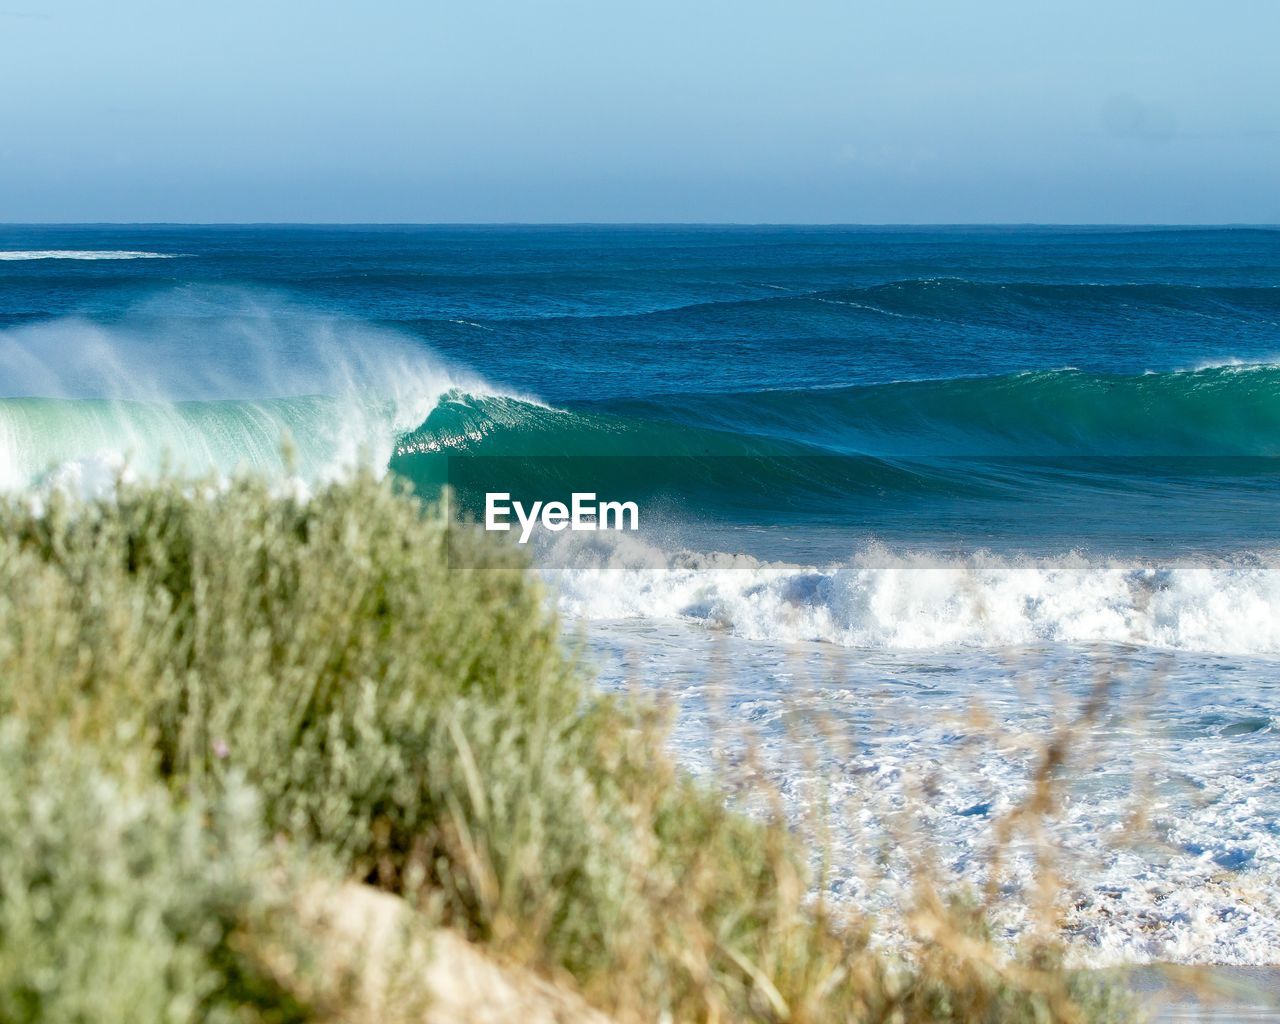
(921, 352)
(936, 465)
(607, 313)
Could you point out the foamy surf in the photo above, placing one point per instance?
(880, 599)
(944, 743)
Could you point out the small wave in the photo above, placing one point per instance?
(966, 300)
(82, 254)
(1236, 363)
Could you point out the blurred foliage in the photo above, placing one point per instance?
(186, 668)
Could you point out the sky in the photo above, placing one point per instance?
(743, 111)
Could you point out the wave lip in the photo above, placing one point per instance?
(82, 254)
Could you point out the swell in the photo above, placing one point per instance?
(951, 298)
(961, 299)
(1221, 410)
(528, 448)
(943, 300)
(896, 435)
(1231, 410)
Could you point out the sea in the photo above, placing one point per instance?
(926, 514)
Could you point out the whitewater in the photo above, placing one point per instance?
(895, 600)
(918, 488)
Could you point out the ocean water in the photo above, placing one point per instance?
(913, 484)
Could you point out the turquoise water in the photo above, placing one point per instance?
(883, 474)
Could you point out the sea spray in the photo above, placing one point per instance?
(210, 381)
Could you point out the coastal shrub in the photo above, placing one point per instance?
(398, 697)
(117, 904)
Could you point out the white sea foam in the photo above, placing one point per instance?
(885, 749)
(880, 599)
(82, 254)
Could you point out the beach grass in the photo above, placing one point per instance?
(209, 695)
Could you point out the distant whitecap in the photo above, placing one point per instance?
(82, 254)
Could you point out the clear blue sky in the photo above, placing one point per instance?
(902, 111)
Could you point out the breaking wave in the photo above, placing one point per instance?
(882, 599)
(217, 393)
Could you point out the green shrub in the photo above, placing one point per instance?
(117, 905)
(399, 697)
